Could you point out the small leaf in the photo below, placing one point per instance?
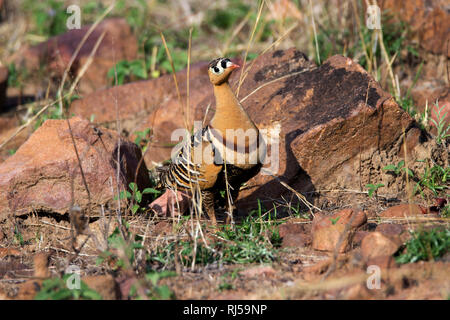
(151, 190)
(333, 221)
(133, 186)
(135, 208)
(390, 167)
(138, 196)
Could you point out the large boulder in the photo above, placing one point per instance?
(151, 104)
(42, 174)
(118, 44)
(429, 20)
(338, 128)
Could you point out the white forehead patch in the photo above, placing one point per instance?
(217, 69)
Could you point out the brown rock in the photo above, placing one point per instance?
(327, 230)
(105, 285)
(118, 44)
(357, 218)
(427, 90)
(3, 85)
(326, 239)
(296, 240)
(324, 127)
(377, 244)
(358, 236)
(384, 262)
(151, 104)
(390, 229)
(170, 203)
(292, 227)
(429, 21)
(401, 211)
(259, 271)
(358, 292)
(38, 176)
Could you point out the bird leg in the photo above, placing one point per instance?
(230, 205)
(208, 204)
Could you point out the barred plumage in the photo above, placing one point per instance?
(187, 173)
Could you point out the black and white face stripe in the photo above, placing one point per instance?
(219, 65)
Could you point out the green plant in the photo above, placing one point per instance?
(117, 241)
(372, 188)
(18, 236)
(179, 58)
(335, 220)
(53, 112)
(397, 169)
(142, 138)
(127, 71)
(445, 212)
(223, 286)
(56, 289)
(254, 240)
(425, 245)
(49, 16)
(136, 195)
(156, 291)
(16, 76)
(434, 178)
(226, 18)
(443, 129)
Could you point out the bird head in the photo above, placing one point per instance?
(220, 69)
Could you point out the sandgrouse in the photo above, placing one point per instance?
(228, 149)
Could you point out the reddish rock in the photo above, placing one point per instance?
(259, 271)
(384, 262)
(105, 285)
(328, 229)
(38, 176)
(292, 227)
(377, 244)
(358, 236)
(296, 240)
(118, 44)
(427, 90)
(390, 229)
(328, 116)
(357, 218)
(401, 211)
(429, 21)
(170, 203)
(151, 104)
(3, 85)
(326, 239)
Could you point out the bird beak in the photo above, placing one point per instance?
(234, 66)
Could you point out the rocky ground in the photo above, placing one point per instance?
(356, 187)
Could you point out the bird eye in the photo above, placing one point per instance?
(218, 69)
